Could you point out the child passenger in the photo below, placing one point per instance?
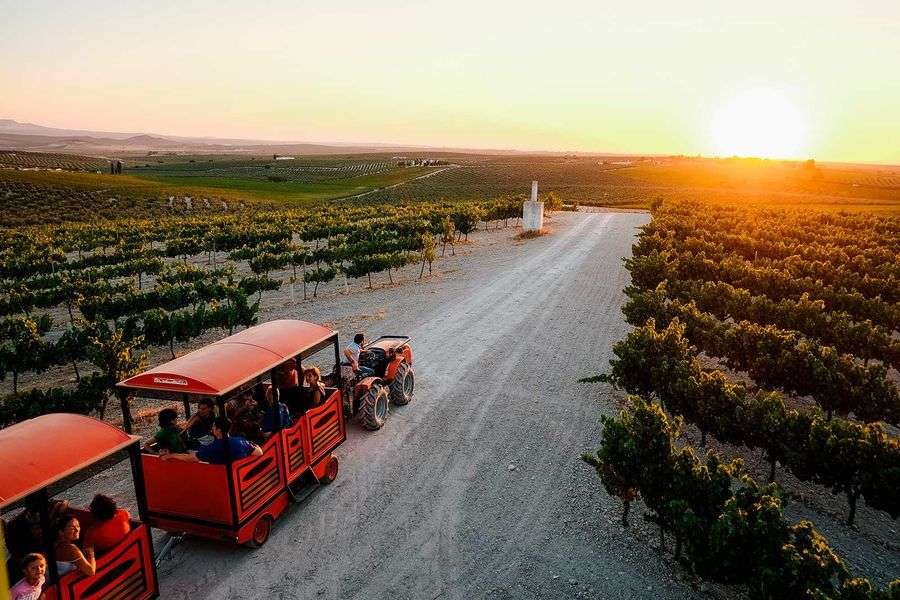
(34, 567)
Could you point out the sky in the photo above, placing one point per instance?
(784, 78)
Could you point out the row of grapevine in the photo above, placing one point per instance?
(654, 267)
(863, 277)
(733, 532)
(854, 255)
(779, 359)
(862, 339)
(854, 459)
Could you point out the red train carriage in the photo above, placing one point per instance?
(239, 501)
(43, 456)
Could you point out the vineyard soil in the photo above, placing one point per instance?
(475, 488)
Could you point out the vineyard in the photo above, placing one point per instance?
(97, 296)
(171, 184)
(775, 332)
(635, 182)
(42, 160)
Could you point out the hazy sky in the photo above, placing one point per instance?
(633, 76)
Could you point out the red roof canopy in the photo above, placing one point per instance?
(41, 451)
(222, 366)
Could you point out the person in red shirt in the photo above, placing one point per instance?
(110, 525)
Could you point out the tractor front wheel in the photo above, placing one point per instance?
(374, 407)
(402, 386)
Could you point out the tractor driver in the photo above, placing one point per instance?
(353, 351)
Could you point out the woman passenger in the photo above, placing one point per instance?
(68, 556)
(315, 392)
(110, 525)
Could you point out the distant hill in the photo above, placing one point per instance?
(15, 135)
(38, 138)
(9, 126)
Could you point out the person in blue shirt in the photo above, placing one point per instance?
(222, 449)
(276, 415)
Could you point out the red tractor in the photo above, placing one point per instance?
(391, 359)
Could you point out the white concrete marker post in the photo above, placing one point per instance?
(533, 211)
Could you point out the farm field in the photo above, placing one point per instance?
(220, 183)
(634, 182)
(45, 160)
(285, 178)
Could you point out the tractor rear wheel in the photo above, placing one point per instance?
(374, 407)
(403, 384)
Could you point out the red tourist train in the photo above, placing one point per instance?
(239, 501)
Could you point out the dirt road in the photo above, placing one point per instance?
(474, 489)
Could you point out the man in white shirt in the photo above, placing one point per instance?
(352, 352)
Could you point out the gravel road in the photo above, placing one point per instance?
(475, 488)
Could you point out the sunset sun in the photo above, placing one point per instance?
(761, 122)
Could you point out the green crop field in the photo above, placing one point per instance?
(264, 189)
(269, 179)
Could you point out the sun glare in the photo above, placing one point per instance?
(762, 123)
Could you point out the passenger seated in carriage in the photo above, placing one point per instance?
(111, 524)
(223, 448)
(25, 534)
(244, 414)
(34, 569)
(199, 426)
(290, 391)
(169, 436)
(275, 416)
(314, 391)
(69, 556)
